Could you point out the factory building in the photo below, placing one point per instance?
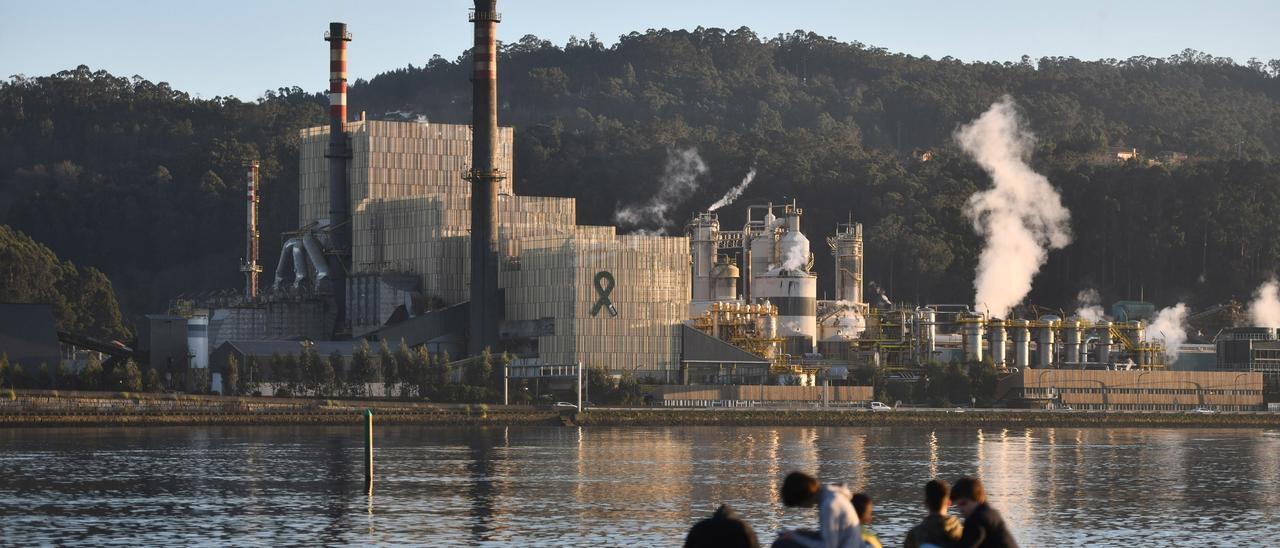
(412, 230)
(1248, 349)
(1133, 390)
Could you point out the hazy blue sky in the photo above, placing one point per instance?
(243, 47)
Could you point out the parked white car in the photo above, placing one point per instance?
(877, 406)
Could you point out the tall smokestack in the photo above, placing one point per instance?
(250, 265)
(338, 152)
(484, 177)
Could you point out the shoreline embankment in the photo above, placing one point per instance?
(53, 408)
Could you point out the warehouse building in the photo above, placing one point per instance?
(1132, 390)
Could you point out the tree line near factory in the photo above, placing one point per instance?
(144, 182)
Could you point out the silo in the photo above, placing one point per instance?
(1071, 341)
(1021, 344)
(1104, 342)
(1045, 343)
(794, 293)
(971, 328)
(724, 279)
(998, 342)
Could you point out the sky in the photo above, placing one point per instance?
(245, 47)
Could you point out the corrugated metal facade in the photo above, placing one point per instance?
(556, 277)
(411, 214)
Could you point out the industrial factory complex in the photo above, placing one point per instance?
(412, 231)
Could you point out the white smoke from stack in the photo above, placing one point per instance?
(734, 192)
(1170, 326)
(1265, 308)
(795, 255)
(1089, 305)
(1021, 216)
(679, 180)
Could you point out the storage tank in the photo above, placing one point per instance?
(972, 331)
(795, 294)
(198, 341)
(1071, 343)
(1045, 343)
(1021, 344)
(724, 279)
(999, 340)
(1104, 342)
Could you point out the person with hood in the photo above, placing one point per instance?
(838, 525)
(937, 528)
(722, 530)
(983, 526)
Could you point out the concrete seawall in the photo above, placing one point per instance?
(50, 408)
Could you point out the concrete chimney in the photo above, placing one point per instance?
(338, 153)
(249, 265)
(486, 307)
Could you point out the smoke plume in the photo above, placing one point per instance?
(1089, 305)
(1265, 308)
(679, 180)
(1170, 326)
(1021, 216)
(734, 192)
(795, 254)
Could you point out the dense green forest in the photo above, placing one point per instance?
(82, 298)
(144, 182)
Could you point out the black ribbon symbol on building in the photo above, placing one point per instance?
(603, 291)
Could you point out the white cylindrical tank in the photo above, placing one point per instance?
(845, 325)
(1104, 342)
(795, 294)
(1021, 344)
(973, 332)
(1071, 341)
(198, 341)
(1045, 344)
(724, 280)
(929, 330)
(998, 343)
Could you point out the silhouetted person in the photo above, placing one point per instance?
(862, 506)
(983, 526)
(722, 530)
(838, 525)
(937, 528)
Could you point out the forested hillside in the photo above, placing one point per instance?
(82, 298)
(145, 182)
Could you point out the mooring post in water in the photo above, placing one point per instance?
(368, 445)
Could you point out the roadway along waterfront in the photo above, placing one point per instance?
(45, 408)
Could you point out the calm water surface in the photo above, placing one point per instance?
(604, 486)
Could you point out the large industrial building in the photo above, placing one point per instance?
(412, 231)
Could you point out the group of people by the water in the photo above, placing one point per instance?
(844, 518)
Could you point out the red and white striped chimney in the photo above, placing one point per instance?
(338, 153)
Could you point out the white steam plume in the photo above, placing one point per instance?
(1021, 216)
(679, 180)
(1089, 305)
(1265, 308)
(795, 255)
(734, 192)
(1170, 326)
